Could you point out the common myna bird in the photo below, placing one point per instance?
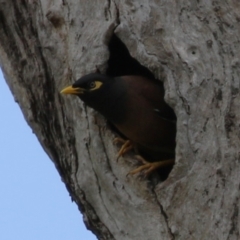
(135, 106)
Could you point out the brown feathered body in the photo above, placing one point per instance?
(135, 106)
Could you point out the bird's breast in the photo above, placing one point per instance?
(147, 129)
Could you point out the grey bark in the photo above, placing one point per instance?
(46, 45)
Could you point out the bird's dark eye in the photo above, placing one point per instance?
(92, 84)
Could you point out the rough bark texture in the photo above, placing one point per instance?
(45, 45)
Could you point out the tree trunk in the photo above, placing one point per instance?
(193, 46)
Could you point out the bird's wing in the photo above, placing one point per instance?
(167, 116)
(153, 93)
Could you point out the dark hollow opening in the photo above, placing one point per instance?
(121, 63)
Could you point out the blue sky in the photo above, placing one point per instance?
(34, 203)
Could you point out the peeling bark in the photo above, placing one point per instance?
(193, 46)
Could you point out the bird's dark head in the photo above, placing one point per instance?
(88, 85)
(101, 93)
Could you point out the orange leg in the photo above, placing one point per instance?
(149, 167)
(126, 146)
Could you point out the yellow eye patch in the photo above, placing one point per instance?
(98, 84)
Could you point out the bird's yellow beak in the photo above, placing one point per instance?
(71, 90)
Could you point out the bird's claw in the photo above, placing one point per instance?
(148, 167)
(126, 146)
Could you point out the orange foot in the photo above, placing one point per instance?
(127, 145)
(149, 167)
